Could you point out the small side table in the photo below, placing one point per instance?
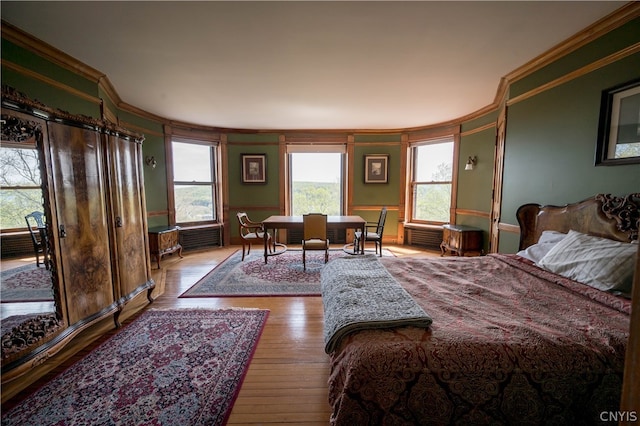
(164, 240)
(461, 239)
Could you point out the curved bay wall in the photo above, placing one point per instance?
(552, 120)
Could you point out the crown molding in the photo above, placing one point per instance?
(607, 60)
(48, 52)
(594, 31)
(610, 22)
(51, 82)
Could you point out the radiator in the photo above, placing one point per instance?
(424, 237)
(197, 238)
(16, 245)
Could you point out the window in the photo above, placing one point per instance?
(316, 183)
(194, 183)
(431, 182)
(20, 185)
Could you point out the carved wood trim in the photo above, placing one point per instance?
(624, 210)
(19, 130)
(603, 215)
(28, 334)
(18, 100)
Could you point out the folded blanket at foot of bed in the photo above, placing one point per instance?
(358, 293)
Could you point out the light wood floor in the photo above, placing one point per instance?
(287, 379)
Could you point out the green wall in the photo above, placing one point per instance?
(364, 194)
(551, 136)
(549, 146)
(258, 200)
(254, 195)
(37, 89)
(475, 186)
(377, 194)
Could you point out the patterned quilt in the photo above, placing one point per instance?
(509, 344)
(359, 293)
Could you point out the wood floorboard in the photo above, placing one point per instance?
(286, 382)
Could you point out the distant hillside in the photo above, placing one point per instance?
(316, 197)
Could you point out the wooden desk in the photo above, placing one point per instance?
(295, 222)
(164, 240)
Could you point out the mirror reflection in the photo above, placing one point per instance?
(26, 285)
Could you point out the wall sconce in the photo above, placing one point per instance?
(471, 163)
(151, 161)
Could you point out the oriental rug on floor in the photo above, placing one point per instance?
(283, 275)
(173, 367)
(27, 283)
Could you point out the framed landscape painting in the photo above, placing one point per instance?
(619, 127)
(254, 168)
(376, 168)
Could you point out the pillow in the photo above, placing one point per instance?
(551, 237)
(547, 240)
(598, 262)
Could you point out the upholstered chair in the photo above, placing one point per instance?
(314, 236)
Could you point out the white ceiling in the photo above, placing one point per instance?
(306, 65)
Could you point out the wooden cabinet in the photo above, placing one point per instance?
(93, 199)
(132, 269)
(78, 198)
(98, 210)
(164, 240)
(461, 239)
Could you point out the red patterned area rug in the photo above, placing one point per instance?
(283, 275)
(174, 367)
(27, 283)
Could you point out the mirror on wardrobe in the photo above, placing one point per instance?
(30, 299)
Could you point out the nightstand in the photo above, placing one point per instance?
(461, 239)
(164, 240)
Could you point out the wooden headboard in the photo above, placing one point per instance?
(603, 215)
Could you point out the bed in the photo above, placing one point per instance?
(497, 339)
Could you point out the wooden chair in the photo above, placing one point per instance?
(372, 232)
(37, 230)
(251, 232)
(314, 236)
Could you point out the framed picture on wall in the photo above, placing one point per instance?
(254, 168)
(619, 127)
(376, 168)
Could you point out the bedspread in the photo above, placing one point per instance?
(509, 344)
(359, 293)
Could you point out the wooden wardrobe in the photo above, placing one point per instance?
(93, 196)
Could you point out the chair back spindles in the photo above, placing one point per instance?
(373, 232)
(38, 236)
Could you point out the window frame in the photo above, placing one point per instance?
(413, 183)
(215, 183)
(33, 147)
(316, 148)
